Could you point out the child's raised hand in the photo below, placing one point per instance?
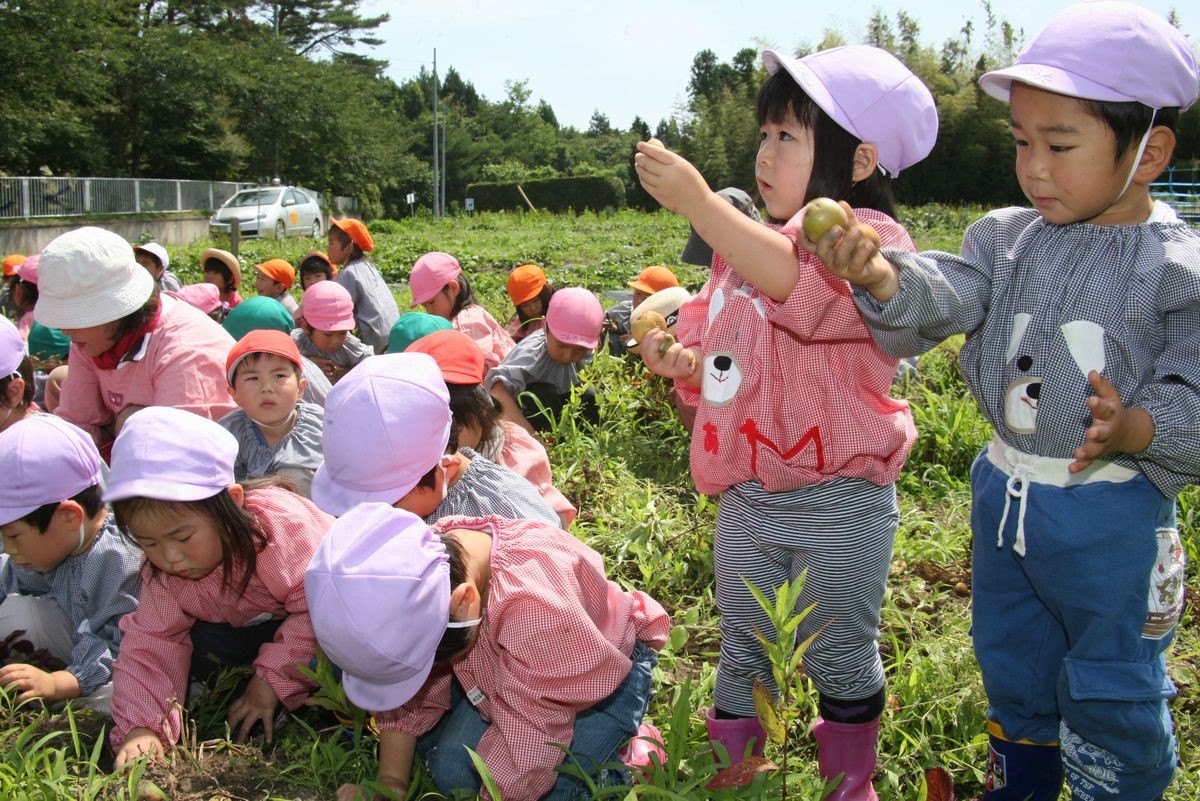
(1115, 427)
(852, 254)
(256, 705)
(669, 178)
(138, 743)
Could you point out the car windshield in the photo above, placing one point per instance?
(255, 197)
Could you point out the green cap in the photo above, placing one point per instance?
(258, 313)
(412, 326)
(47, 343)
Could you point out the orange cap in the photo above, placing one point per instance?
(10, 263)
(357, 231)
(262, 340)
(525, 282)
(653, 279)
(278, 270)
(457, 355)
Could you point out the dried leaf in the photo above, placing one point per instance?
(764, 705)
(741, 773)
(939, 785)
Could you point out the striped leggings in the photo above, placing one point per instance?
(841, 532)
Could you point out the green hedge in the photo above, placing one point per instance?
(586, 193)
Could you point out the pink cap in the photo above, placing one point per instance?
(871, 94)
(1111, 51)
(378, 590)
(12, 348)
(28, 269)
(170, 455)
(574, 317)
(327, 306)
(205, 297)
(387, 423)
(432, 272)
(44, 459)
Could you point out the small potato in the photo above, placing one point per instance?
(870, 233)
(655, 142)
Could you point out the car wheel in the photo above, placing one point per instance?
(317, 230)
(280, 229)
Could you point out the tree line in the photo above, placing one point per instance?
(255, 89)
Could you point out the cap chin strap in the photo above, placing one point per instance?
(1137, 160)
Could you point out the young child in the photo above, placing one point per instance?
(1082, 317)
(477, 425)
(7, 306)
(438, 283)
(277, 433)
(806, 458)
(155, 259)
(222, 584)
(375, 309)
(67, 574)
(221, 268)
(387, 438)
(324, 333)
(16, 385)
(205, 297)
(412, 326)
(616, 320)
(504, 636)
(264, 314)
(546, 363)
(25, 293)
(315, 267)
(530, 293)
(273, 279)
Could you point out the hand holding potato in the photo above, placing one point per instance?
(848, 248)
(669, 178)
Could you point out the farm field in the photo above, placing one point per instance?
(629, 479)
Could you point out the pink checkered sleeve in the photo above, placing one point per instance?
(150, 673)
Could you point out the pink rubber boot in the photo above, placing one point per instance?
(735, 734)
(849, 749)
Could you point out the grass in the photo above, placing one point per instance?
(630, 479)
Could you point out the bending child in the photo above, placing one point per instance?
(439, 284)
(222, 584)
(1082, 318)
(504, 636)
(67, 574)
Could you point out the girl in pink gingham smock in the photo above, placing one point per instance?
(223, 578)
(439, 284)
(794, 422)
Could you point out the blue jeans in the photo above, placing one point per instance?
(599, 731)
(1071, 637)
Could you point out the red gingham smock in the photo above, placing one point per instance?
(525, 456)
(793, 393)
(555, 640)
(151, 670)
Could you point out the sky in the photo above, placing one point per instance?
(632, 58)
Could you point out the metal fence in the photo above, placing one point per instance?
(34, 196)
(1181, 188)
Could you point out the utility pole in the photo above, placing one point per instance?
(437, 207)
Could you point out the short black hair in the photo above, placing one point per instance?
(455, 640)
(140, 317)
(88, 498)
(312, 265)
(215, 265)
(345, 240)
(833, 148)
(472, 405)
(1129, 120)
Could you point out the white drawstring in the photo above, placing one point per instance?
(1017, 487)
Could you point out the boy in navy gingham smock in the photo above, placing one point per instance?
(1082, 318)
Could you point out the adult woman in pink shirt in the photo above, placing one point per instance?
(130, 346)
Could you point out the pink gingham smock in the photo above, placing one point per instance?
(477, 323)
(522, 453)
(793, 393)
(182, 366)
(555, 640)
(151, 670)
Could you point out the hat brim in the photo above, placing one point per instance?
(577, 339)
(807, 80)
(101, 305)
(329, 325)
(696, 251)
(157, 489)
(998, 83)
(336, 499)
(380, 696)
